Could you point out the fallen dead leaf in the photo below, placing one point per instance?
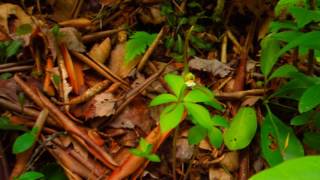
(117, 64)
(219, 174)
(184, 149)
(71, 37)
(100, 52)
(136, 114)
(230, 161)
(214, 66)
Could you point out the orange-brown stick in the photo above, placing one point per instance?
(47, 86)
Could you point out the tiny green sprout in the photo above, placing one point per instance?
(145, 150)
(30, 175)
(191, 100)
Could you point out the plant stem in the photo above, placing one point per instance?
(186, 51)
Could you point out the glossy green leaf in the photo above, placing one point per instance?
(220, 121)
(292, 90)
(286, 36)
(171, 116)
(301, 119)
(304, 168)
(137, 44)
(275, 26)
(283, 71)
(242, 129)
(309, 99)
(162, 99)
(312, 139)
(31, 175)
(24, 29)
(278, 141)
(196, 134)
(304, 16)
(153, 158)
(23, 142)
(197, 95)
(199, 114)
(215, 137)
(269, 47)
(175, 82)
(283, 5)
(136, 152)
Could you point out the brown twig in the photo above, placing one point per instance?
(7, 65)
(76, 131)
(16, 68)
(100, 35)
(238, 95)
(100, 68)
(4, 172)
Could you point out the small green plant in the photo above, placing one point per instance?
(278, 141)
(24, 141)
(5, 76)
(30, 175)
(24, 29)
(6, 125)
(137, 44)
(9, 49)
(145, 150)
(189, 98)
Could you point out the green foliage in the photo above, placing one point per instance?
(283, 71)
(56, 80)
(55, 30)
(283, 5)
(31, 175)
(24, 29)
(9, 49)
(145, 150)
(278, 141)
(137, 44)
(309, 99)
(187, 99)
(300, 168)
(52, 171)
(5, 76)
(242, 129)
(24, 142)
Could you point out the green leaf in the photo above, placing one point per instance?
(162, 99)
(304, 16)
(215, 137)
(286, 36)
(137, 44)
(197, 95)
(56, 31)
(136, 152)
(312, 139)
(175, 82)
(278, 141)
(5, 76)
(153, 158)
(171, 116)
(199, 43)
(220, 121)
(23, 142)
(145, 146)
(24, 29)
(56, 80)
(275, 26)
(283, 71)
(304, 168)
(179, 44)
(301, 119)
(309, 99)
(31, 175)
(242, 129)
(196, 134)
(199, 114)
(283, 5)
(269, 47)
(6, 125)
(13, 48)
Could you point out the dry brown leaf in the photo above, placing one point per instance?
(219, 174)
(184, 149)
(230, 161)
(135, 114)
(117, 64)
(63, 9)
(100, 105)
(213, 66)
(152, 15)
(71, 37)
(8, 10)
(100, 52)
